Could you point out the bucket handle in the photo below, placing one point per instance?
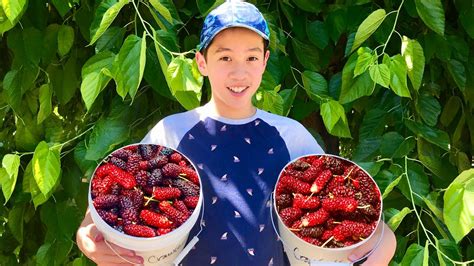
(307, 260)
(116, 253)
(193, 241)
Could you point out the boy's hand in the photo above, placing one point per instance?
(384, 251)
(91, 242)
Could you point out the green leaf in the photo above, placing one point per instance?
(458, 210)
(16, 222)
(50, 43)
(94, 78)
(366, 148)
(104, 16)
(107, 133)
(162, 10)
(397, 218)
(128, 70)
(372, 123)
(354, 88)
(272, 102)
(205, 6)
(185, 81)
(17, 82)
(450, 110)
(405, 148)
(45, 94)
(65, 80)
(432, 14)
(13, 9)
(169, 40)
(450, 249)
(26, 45)
(458, 72)
(466, 16)
(368, 27)
(431, 202)
(5, 24)
(46, 167)
(86, 166)
(414, 57)
(429, 109)
(390, 188)
(63, 6)
(111, 40)
(65, 39)
(54, 253)
(154, 76)
(434, 159)
(288, 96)
(380, 74)
(364, 60)
(318, 34)
(28, 133)
(419, 183)
(372, 168)
(391, 141)
(398, 79)
(30, 186)
(435, 136)
(335, 119)
(414, 256)
(315, 85)
(9, 174)
(306, 54)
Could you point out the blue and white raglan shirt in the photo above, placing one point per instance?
(239, 162)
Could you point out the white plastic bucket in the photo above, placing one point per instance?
(159, 250)
(300, 252)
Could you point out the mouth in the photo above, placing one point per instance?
(238, 90)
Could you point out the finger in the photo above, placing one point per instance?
(107, 256)
(112, 248)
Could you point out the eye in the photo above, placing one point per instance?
(253, 58)
(225, 59)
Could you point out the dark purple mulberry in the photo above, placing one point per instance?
(119, 162)
(145, 151)
(171, 170)
(314, 232)
(284, 201)
(122, 154)
(105, 201)
(155, 178)
(108, 217)
(187, 188)
(142, 178)
(158, 161)
(133, 163)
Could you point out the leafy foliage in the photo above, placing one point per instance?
(389, 84)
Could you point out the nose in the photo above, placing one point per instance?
(239, 72)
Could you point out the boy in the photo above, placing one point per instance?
(238, 149)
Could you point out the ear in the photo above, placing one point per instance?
(201, 63)
(265, 58)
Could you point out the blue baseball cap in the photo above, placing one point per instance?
(233, 14)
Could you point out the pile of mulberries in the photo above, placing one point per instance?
(328, 201)
(145, 190)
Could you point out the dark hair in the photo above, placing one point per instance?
(266, 45)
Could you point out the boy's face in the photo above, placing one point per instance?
(234, 65)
